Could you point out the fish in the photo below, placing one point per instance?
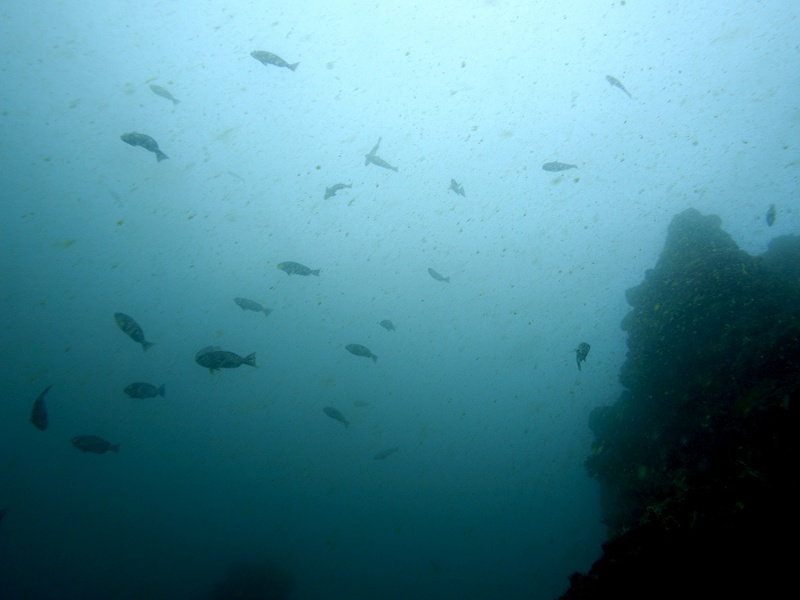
(580, 353)
(293, 268)
(252, 305)
(385, 453)
(331, 191)
(214, 359)
(159, 91)
(387, 325)
(39, 412)
(457, 188)
(618, 84)
(557, 166)
(771, 214)
(336, 414)
(93, 444)
(360, 350)
(376, 160)
(132, 329)
(144, 390)
(145, 141)
(268, 58)
(438, 277)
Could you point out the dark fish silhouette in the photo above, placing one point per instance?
(39, 412)
(331, 191)
(457, 188)
(132, 329)
(336, 414)
(618, 84)
(771, 214)
(145, 141)
(144, 390)
(360, 350)
(558, 166)
(374, 159)
(93, 444)
(385, 453)
(252, 305)
(580, 353)
(387, 325)
(159, 91)
(268, 58)
(213, 359)
(438, 277)
(293, 268)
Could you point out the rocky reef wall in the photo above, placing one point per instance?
(696, 459)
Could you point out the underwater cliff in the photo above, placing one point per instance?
(696, 458)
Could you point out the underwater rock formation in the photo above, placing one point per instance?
(696, 459)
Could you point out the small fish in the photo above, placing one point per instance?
(438, 277)
(336, 414)
(144, 390)
(457, 188)
(213, 359)
(360, 350)
(39, 412)
(387, 325)
(771, 214)
(268, 58)
(252, 305)
(93, 444)
(385, 453)
(557, 166)
(145, 141)
(132, 329)
(580, 353)
(293, 268)
(159, 91)
(618, 84)
(376, 160)
(331, 191)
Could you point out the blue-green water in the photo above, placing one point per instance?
(478, 388)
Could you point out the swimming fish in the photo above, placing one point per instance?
(457, 188)
(557, 166)
(293, 268)
(145, 141)
(580, 353)
(39, 412)
(252, 305)
(213, 359)
(385, 453)
(336, 414)
(377, 160)
(268, 58)
(617, 83)
(144, 390)
(93, 444)
(132, 329)
(387, 325)
(159, 91)
(438, 277)
(360, 350)
(771, 214)
(331, 191)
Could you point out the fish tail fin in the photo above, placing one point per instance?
(175, 102)
(315, 272)
(162, 391)
(374, 358)
(294, 66)
(147, 345)
(250, 360)
(160, 156)
(349, 186)
(267, 311)
(446, 280)
(367, 160)
(395, 169)
(114, 448)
